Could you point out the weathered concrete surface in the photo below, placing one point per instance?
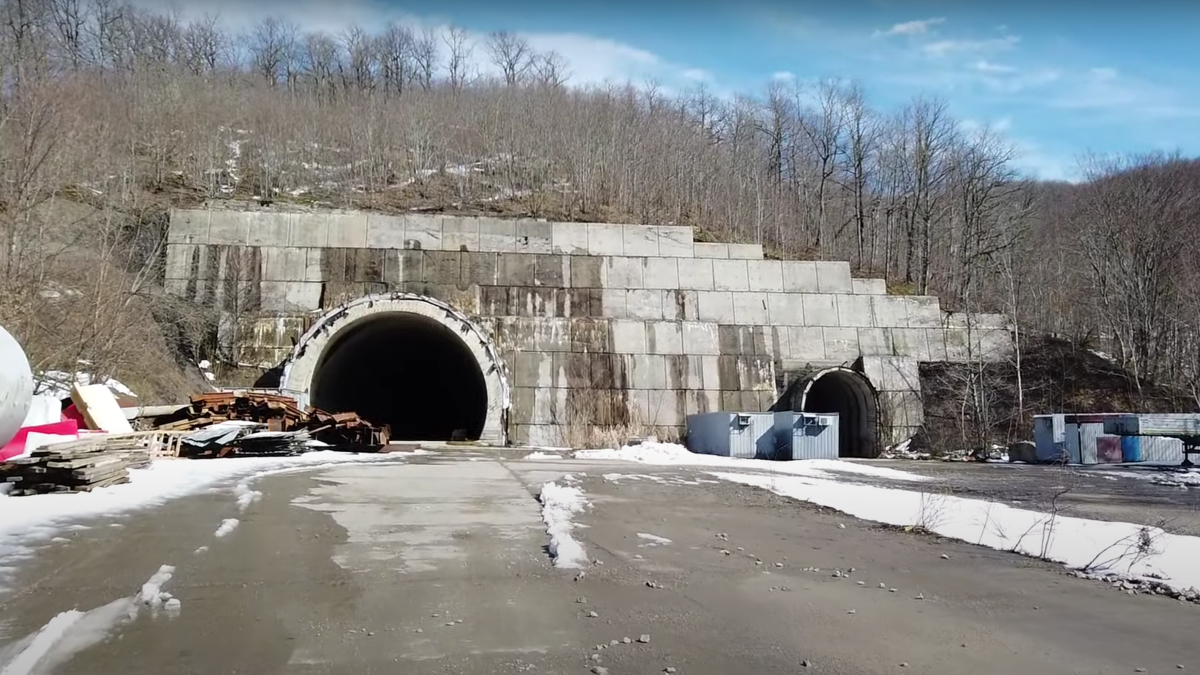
(336, 572)
(595, 288)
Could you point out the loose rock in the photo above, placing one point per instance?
(805, 664)
(592, 615)
(626, 640)
(945, 556)
(645, 638)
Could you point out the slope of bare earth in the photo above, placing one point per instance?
(439, 566)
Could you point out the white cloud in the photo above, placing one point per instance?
(590, 59)
(941, 48)
(989, 67)
(784, 76)
(697, 75)
(918, 27)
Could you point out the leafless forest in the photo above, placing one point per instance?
(112, 114)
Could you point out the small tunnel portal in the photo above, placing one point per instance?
(848, 394)
(407, 371)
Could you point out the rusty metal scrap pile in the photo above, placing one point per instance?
(257, 423)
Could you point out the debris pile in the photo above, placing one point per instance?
(248, 423)
(78, 466)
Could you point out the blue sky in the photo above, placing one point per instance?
(1059, 78)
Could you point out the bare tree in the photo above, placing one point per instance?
(395, 48)
(458, 56)
(550, 70)
(268, 48)
(510, 53)
(425, 57)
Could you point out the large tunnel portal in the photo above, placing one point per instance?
(405, 370)
(850, 396)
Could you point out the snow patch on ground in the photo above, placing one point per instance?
(1102, 547)
(673, 454)
(245, 496)
(73, 631)
(542, 455)
(560, 503)
(653, 539)
(1170, 477)
(39, 518)
(227, 526)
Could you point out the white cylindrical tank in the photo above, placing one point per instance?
(16, 386)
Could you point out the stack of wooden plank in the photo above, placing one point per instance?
(78, 466)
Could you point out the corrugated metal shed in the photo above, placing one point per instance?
(1049, 439)
(783, 435)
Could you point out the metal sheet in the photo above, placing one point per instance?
(751, 435)
(1173, 424)
(708, 433)
(815, 436)
(1049, 437)
(1159, 449)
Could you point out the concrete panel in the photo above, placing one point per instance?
(662, 272)
(228, 227)
(805, 344)
(785, 309)
(645, 371)
(552, 270)
(628, 336)
(445, 268)
(612, 303)
(924, 312)
(681, 305)
(684, 372)
(497, 235)
(644, 304)
(700, 338)
(874, 341)
(730, 275)
(179, 261)
(674, 241)
(854, 311)
(533, 236)
(750, 308)
(746, 251)
(290, 296)
(569, 238)
(621, 272)
(421, 232)
(704, 249)
(587, 272)
(746, 340)
(957, 347)
(698, 402)
(911, 342)
(480, 268)
(537, 335)
(188, 226)
(899, 374)
(385, 231)
(715, 306)
(993, 344)
(710, 372)
(800, 276)
(515, 269)
(664, 337)
(820, 310)
(834, 277)
(457, 233)
(590, 336)
(639, 240)
(532, 369)
(347, 230)
(841, 344)
(284, 264)
(765, 275)
(935, 339)
(268, 229)
(695, 273)
(890, 311)
(606, 239)
(659, 407)
(869, 286)
(310, 230)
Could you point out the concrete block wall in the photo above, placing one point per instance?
(612, 323)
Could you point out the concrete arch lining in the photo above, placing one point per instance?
(848, 393)
(337, 338)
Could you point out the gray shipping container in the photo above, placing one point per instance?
(782, 435)
(1171, 425)
(1049, 439)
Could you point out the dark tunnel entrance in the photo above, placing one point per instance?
(407, 371)
(850, 396)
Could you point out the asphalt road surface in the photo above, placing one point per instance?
(439, 565)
